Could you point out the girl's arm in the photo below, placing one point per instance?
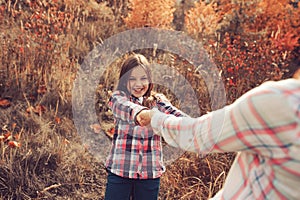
(165, 106)
(123, 108)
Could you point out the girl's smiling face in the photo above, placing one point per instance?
(138, 82)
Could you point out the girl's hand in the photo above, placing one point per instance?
(161, 97)
(144, 117)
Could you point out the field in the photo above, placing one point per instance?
(60, 62)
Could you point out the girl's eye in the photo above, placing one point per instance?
(144, 79)
(132, 79)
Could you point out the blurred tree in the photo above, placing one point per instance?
(250, 41)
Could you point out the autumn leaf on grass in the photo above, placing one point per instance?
(110, 132)
(17, 136)
(6, 136)
(57, 120)
(42, 89)
(39, 109)
(14, 144)
(66, 141)
(4, 103)
(96, 128)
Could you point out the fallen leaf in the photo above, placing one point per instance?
(4, 103)
(57, 120)
(66, 141)
(17, 136)
(14, 144)
(96, 128)
(14, 125)
(29, 109)
(39, 109)
(7, 136)
(42, 89)
(110, 132)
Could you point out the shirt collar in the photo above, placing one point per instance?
(140, 99)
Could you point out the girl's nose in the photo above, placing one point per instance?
(139, 83)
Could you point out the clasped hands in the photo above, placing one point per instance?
(144, 117)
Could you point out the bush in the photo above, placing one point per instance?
(147, 13)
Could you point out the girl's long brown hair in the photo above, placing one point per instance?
(130, 63)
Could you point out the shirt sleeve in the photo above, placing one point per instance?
(261, 122)
(165, 106)
(123, 108)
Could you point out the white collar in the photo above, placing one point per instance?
(140, 99)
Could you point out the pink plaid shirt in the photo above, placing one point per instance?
(136, 151)
(263, 126)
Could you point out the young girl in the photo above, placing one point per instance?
(135, 162)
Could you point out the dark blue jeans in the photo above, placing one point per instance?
(119, 188)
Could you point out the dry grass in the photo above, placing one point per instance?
(51, 162)
(195, 177)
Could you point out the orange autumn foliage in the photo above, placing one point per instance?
(150, 13)
(205, 19)
(271, 16)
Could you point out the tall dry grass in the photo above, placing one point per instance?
(39, 64)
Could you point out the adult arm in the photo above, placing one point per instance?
(261, 122)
